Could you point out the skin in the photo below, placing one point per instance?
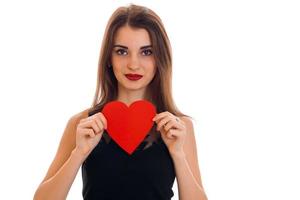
(83, 132)
(177, 133)
(132, 58)
(129, 56)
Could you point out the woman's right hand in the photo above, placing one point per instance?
(89, 132)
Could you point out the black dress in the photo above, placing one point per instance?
(109, 173)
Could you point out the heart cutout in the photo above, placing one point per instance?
(128, 126)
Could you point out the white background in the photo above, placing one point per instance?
(236, 71)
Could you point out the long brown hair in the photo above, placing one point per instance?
(159, 90)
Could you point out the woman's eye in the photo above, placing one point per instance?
(147, 52)
(121, 52)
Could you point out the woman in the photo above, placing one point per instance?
(135, 63)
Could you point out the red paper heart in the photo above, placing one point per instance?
(128, 126)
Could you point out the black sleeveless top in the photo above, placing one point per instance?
(109, 173)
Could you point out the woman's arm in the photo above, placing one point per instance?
(187, 168)
(65, 165)
(58, 186)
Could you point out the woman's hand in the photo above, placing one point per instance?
(89, 132)
(173, 131)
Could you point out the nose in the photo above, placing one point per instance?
(133, 62)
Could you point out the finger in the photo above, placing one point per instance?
(170, 124)
(94, 118)
(175, 132)
(170, 134)
(91, 124)
(96, 126)
(159, 122)
(99, 124)
(87, 132)
(160, 115)
(103, 119)
(85, 119)
(173, 124)
(163, 121)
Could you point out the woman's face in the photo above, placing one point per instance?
(132, 55)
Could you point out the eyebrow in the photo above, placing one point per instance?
(122, 46)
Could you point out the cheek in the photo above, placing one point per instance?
(117, 71)
(118, 60)
(151, 73)
(151, 67)
(118, 65)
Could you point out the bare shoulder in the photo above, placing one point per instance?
(71, 126)
(80, 115)
(187, 121)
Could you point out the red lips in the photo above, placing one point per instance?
(133, 76)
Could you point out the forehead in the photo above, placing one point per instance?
(132, 37)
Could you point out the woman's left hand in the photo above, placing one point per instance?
(173, 131)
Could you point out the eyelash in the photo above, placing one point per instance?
(122, 50)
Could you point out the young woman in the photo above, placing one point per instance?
(135, 63)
